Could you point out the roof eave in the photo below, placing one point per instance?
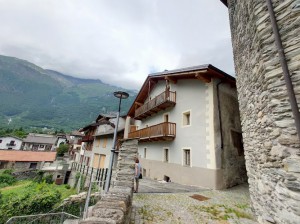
(224, 2)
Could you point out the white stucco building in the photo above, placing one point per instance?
(177, 117)
(39, 142)
(98, 141)
(10, 142)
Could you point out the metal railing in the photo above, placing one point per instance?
(52, 218)
(98, 174)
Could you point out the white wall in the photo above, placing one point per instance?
(7, 140)
(193, 96)
(105, 149)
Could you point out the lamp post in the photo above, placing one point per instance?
(121, 95)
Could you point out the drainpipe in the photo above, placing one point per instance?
(284, 66)
(220, 117)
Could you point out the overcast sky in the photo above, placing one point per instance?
(117, 41)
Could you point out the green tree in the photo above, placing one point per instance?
(63, 148)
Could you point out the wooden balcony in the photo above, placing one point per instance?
(87, 138)
(160, 102)
(161, 132)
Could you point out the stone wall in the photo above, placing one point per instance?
(269, 133)
(115, 205)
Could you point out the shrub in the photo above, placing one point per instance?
(42, 200)
(39, 176)
(67, 186)
(48, 179)
(6, 180)
(7, 172)
(62, 149)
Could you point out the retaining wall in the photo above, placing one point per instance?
(115, 206)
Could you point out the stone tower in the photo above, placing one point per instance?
(269, 107)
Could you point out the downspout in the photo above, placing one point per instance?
(220, 116)
(286, 73)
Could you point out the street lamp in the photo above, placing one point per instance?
(121, 95)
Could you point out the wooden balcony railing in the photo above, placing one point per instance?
(161, 132)
(162, 101)
(87, 138)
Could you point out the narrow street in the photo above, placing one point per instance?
(161, 202)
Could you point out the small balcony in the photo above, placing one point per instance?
(87, 138)
(161, 132)
(11, 144)
(160, 102)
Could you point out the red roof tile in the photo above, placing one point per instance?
(26, 156)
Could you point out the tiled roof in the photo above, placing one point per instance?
(40, 138)
(76, 133)
(26, 156)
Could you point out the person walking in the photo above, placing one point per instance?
(138, 174)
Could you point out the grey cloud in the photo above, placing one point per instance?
(116, 41)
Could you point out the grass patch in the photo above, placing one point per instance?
(222, 212)
(22, 187)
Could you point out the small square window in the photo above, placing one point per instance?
(166, 155)
(0, 140)
(187, 157)
(186, 118)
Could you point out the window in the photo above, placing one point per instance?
(166, 117)
(104, 142)
(12, 143)
(186, 119)
(98, 142)
(0, 140)
(166, 155)
(41, 146)
(145, 152)
(33, 166)
(187, 157)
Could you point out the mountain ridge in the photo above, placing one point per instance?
(33, 97)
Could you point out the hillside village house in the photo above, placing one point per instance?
(188, 126)
(75, 143)
(10, 142)
(104, 139)
(61, 139)
(39, 142)
(98, 140)
(22, 160)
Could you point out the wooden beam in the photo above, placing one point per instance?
(139, 104)
(170, 79)
(203, 78)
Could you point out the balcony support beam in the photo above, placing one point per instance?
(203, 78)
(171, 79)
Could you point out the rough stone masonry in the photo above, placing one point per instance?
(272, 148)
(115, 206)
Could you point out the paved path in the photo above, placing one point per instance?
(172, 203)
(151, 186)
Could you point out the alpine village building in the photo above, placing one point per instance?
(188, 127)
(97, 141)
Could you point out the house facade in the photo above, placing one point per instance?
(103, 142)
(188, 127)
(10, 142)
(39, 142)
(75, 144)
(98, 141)
(23, 160)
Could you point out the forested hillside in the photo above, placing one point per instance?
(32, 97)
